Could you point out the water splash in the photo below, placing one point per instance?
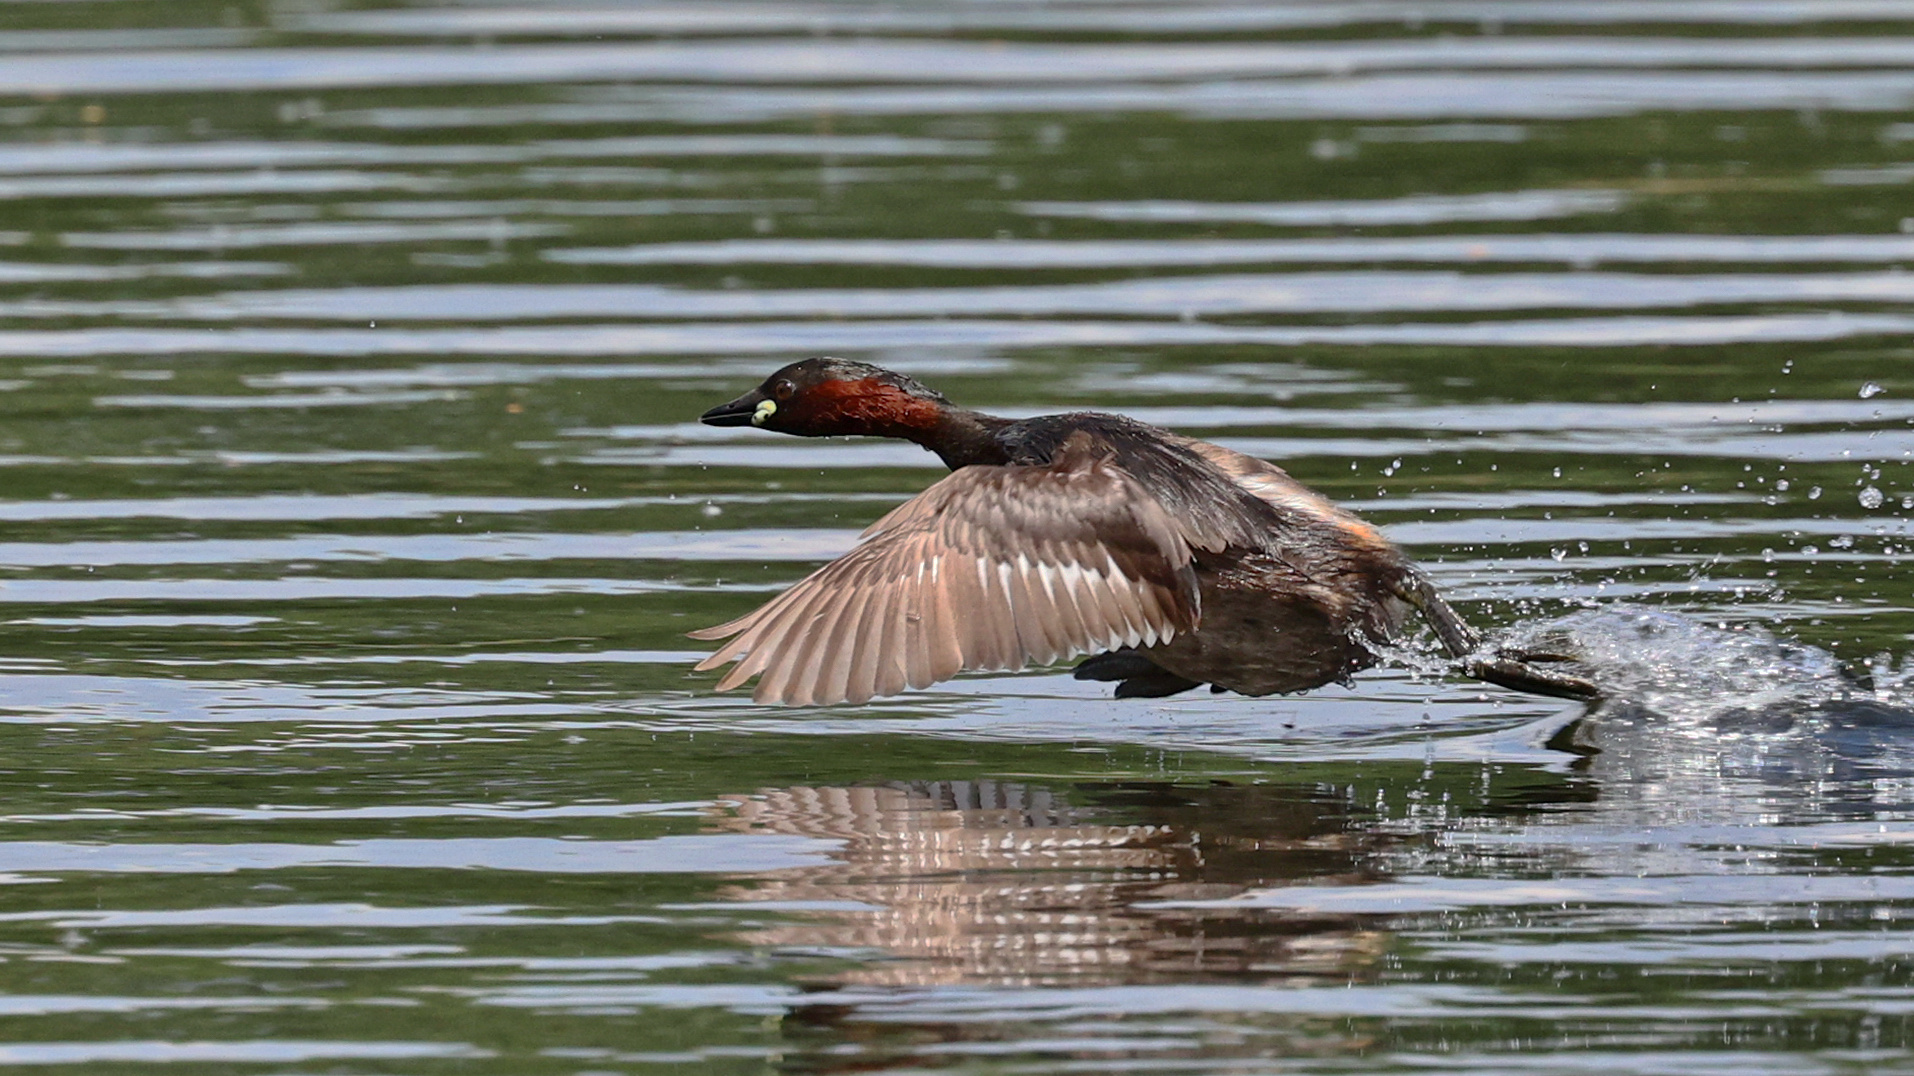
(1730, 678)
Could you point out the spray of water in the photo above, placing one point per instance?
(1649, 661)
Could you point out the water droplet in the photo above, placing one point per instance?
(1781, 484)
(1871, 389)
(1871, 497)
(1559, 554)
(1814, 493)
(711, 510)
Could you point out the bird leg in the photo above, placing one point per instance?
(1455, 634)
(1461, 641)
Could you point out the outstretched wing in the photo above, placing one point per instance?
(991, 568)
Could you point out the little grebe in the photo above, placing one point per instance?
(1173, 561)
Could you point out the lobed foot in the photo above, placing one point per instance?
(1140, 678)
(1522, 676)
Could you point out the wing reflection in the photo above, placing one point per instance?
(1016, 884)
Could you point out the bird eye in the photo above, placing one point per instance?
(783, 390)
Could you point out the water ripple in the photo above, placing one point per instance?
(1427, 209)
(275, 1051)
(1431, 894)
(544, 855)
(952, 61)
(1164, 297)
(1552, 95)
(799, 338)
(1135, 18)
(1012, 253)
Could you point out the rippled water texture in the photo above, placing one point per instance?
(355, 508)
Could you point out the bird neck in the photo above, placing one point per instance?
(963, 438)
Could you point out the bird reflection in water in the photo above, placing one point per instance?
(1003, 883)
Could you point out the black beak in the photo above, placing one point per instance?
(736, 413)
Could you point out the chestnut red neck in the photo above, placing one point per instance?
(874, 408)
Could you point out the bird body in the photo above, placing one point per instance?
(1172, 561)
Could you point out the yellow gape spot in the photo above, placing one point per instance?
(765, 410)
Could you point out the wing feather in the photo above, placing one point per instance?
(861, 684)
(991, 568)
(1059, 575)
(841, 648)
(890, 663)
(998, 641)
(826, 645)
(946, 652)
(783, 634)
(917, 628)
(1040, 617)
